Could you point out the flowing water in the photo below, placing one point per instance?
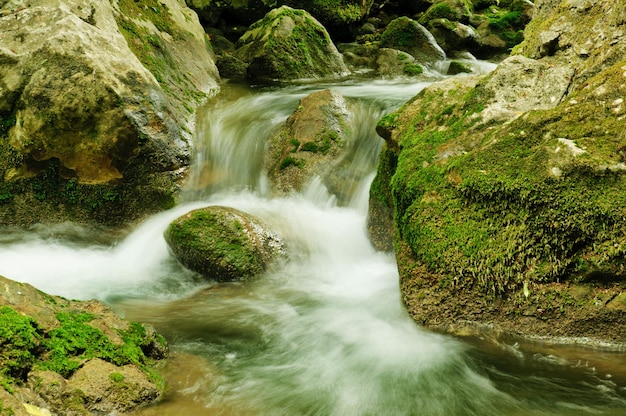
(322, 333)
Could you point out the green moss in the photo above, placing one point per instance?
(297, 55)
(399, 32)
(149, 10)
(330, 12)
(20, 340)
(412, 69)
(75, 341)
(508, 25)
(290, 161)
(439, 11)
(480, 207)
(214, 243)
(6, 410)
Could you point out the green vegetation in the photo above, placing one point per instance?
(508, 25)
(290, 161)
(24, 345)
(399, 32)
(298, 54)
(19, 344)
(330, 12)
(439, 11)
(480, 207)
(412, 69)
(6, 410)
(215, 243)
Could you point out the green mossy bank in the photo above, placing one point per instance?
(508, 196)
(74, 357)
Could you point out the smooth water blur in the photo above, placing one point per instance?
(323, 332)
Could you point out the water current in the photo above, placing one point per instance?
(322, 333)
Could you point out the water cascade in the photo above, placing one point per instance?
(322, 333)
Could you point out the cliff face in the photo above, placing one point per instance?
(508, 195)
(97, 103)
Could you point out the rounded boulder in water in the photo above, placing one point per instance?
(223, 243)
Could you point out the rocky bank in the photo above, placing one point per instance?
(506, 190)
(73, 358)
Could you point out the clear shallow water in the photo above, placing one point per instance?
(323, 333)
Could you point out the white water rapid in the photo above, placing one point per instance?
(323, 333)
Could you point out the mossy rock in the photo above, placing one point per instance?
(44, 337)
(223, 244)
(409, 36)
(311, 143)
(494, 208)
(289, 44)
(334, 12)
(97, 109)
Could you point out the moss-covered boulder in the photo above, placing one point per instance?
(393, 63)
(73, 357)
(310, 144)
(97, 104)
(407, 35)
(289, 44)
(507, 190)
(334, 13)
(453, 36)
(223, 243)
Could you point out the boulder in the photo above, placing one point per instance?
(453, 36)
(73, 357)
(507, 190)
(334, 13)
(106, 387)
(407, 35)
(97, 104)
(393, 63)
(310, 144)
(223, 244)
(452, 10)
(289, 44)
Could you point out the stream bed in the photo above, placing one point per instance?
(322, 333)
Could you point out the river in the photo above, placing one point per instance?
(323, 333)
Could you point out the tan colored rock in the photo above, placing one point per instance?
(107, 387)
(310, 143)
(101, 93)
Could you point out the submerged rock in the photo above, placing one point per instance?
(223, 243)
(73, 357)
(289, 44)
(97, 105)
(507, 190)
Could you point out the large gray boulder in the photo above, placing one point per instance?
(97, 107)
(289, 44)
(223, 243)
